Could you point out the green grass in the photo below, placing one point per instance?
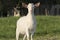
(48, 28)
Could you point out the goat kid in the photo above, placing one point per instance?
(27, 24)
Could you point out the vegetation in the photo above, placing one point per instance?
(48, 28)
(8, 5)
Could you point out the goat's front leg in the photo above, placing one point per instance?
(27, 33)
(17, 34)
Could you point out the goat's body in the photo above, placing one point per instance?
(26, 24)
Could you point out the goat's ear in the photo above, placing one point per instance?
(24, 5)
(37, 4)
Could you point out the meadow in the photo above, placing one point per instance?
(48, 28)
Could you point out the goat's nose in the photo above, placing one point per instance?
(31, 10)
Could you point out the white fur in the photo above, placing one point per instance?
(26, 25)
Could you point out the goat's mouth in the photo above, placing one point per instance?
(31, 10)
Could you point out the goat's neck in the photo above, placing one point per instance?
(30, 15)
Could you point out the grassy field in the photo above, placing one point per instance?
(48, 28)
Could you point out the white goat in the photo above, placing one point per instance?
(27, 25)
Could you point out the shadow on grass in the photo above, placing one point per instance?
(46, 33)
(40, 33)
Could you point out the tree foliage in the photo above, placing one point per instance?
(8, 4)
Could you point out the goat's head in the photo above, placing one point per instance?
(31, 6)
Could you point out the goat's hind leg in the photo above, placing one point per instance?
(32, 35)
(24, 37)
